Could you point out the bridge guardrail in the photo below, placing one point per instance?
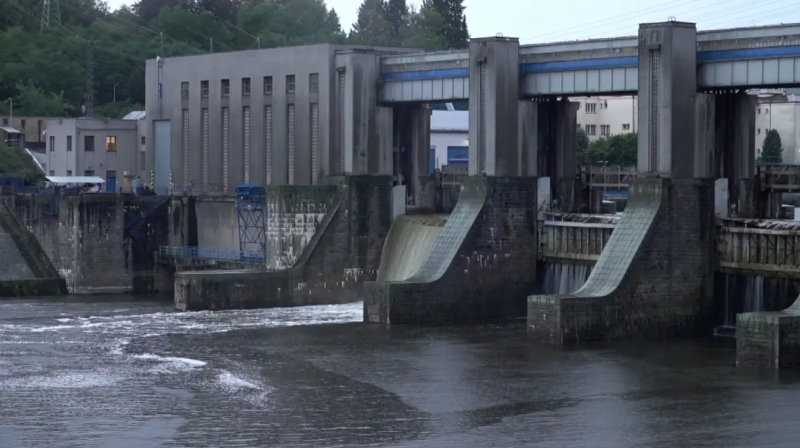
(194, 252)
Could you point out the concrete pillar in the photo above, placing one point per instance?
(528, 139)
(735, 153)
(411, 167)
(556, 122)
(364, 129)
(493, 106)
(704, 137)
(667, 95)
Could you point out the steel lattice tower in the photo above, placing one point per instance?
(51, 14)
(252, 222)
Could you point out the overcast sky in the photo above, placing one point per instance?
(536, 21)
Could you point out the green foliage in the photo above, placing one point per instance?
(581, 141)
(16, 162)
(772, 149)
(620, 149)
(45, 71)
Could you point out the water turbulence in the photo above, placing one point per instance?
(561, 278)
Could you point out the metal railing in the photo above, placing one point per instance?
(784, 178)
(194, 252)
(609, 177)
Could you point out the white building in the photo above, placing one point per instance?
(779, 110)
(607, 115)
(95, 147)
(449, 137)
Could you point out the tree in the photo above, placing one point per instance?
(620, 149)
(772, 149)
(372, 26)
(16, 162)
(423, 30)
(397, 14)
(454, 23)
(581, 140)
(33, 101)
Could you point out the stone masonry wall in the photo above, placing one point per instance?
(482, 266)
(293, 214)
(660, 288)
(85, 240)
(769, 340)
(344, 251)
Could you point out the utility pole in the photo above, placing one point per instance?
(161, 51)
(211, 44)
(89, 92)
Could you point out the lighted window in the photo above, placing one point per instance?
(111, 144)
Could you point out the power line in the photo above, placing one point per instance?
(196, 33)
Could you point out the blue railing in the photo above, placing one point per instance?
(194, 252)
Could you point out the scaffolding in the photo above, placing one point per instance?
(252, 222)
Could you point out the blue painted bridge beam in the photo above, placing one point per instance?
(602, 63)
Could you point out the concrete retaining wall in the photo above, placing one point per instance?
(654, 277)
(482, 265)
(344, 251)
(84, 237)
(769, 340)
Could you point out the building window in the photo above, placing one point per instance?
(626, 127)
(52, 143)
(268, 85)
(591, 108)
(766, 111)
(5, 121)
(759, 131)
(290, 84)
(605, 129)
(69, 143)
(184, 90)
(69, 172)
(143, 140)
(226, 87)
(245, 86)
(759, 111)
(88, 173)
(111, 144)
(313, 82)
(204, 89)
(591, 129)
(52, 173)
(88, 143)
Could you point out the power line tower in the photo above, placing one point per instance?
(51, 14)
(88, 95)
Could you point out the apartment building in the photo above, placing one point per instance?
(607, 115)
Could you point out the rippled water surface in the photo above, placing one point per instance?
(105, 372)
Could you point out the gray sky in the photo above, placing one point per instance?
(537, 21)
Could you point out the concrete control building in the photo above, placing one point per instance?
(93, 147)
(264, 116)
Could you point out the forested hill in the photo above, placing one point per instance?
(44, 59)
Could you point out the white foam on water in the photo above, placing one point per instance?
(65, 380)
(233, 383)
(192, 363)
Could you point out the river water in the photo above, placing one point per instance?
(110, 372)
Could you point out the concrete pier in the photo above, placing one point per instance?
(344, 251)
(654, 277)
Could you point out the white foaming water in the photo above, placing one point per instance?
(120, 329)
(233, 383)
(63, 380)
(754, 294)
